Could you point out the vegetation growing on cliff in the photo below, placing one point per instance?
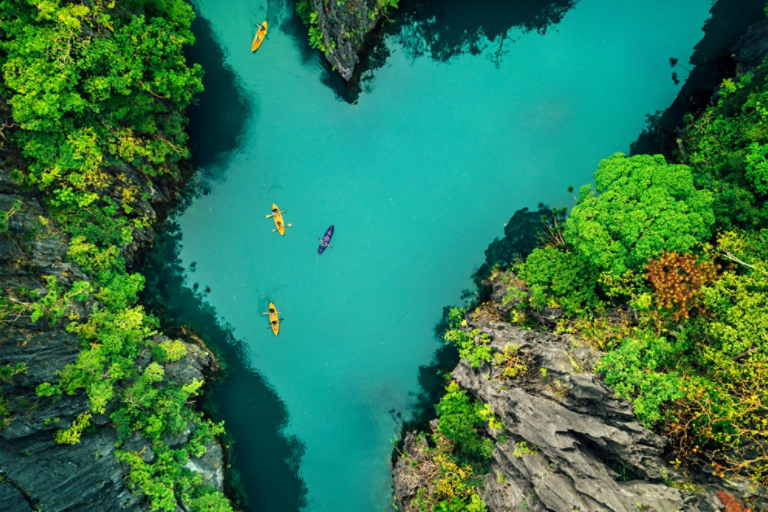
(99, 92)
(684, 245)
(449, 471)
(664, 268)
(340, 11)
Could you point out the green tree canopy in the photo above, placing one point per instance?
(95, 86)
(553, 273)
(643, 206)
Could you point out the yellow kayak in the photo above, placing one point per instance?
(260, 35)
(279, 223)
(274, 321)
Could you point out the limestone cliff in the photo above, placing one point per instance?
(36, 472)
(583, 449)
(346, 25)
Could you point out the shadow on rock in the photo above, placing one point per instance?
(522, 234)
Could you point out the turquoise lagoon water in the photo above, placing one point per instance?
(449, 137)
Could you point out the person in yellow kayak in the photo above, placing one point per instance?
(279, 223)
(261, 33)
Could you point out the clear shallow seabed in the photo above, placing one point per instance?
(418, 176)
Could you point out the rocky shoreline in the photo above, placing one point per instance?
(348, 33)
(36, 472)
(567, 443)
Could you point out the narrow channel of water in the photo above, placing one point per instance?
(471, 111)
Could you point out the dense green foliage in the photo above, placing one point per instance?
(560, 278)
(728, 148)
(452, 470)
(642, 366)
(461, 419)
(99, 91)
(449, 473)
(92, 87)
(308, 14)
(686, 247)
(472, 345)
(643, 206)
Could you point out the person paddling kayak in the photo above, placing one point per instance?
(325, 241)
(274, 319)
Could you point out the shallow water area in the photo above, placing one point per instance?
(417, 176)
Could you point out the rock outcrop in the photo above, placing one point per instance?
(567, 442)
(751, 49)
(36, 472)
(580, 431)
(346, 27)
(85, 476)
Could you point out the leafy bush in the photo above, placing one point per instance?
(449, 473)
(644, 206)
(562, 278)
(5, 216)
(460, 420)
(677, 280)
(73, 433)
(169, 351)
(472, 345)
(727, 148)
(99, 91)
(641, 369)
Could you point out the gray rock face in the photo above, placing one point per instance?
(752, 48)
(345, 31)
(140, 446)
(577, 426)
(192, 366)
(11, 500)
(55, 477)
(210, 466)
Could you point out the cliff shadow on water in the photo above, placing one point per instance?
(219, 115)
(253, 413)
(711, 62)
(522, 234)
(444, 29)
(283, 13)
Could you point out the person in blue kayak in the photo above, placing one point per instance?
(325, 241)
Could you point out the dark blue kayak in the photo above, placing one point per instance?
(325, 240)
